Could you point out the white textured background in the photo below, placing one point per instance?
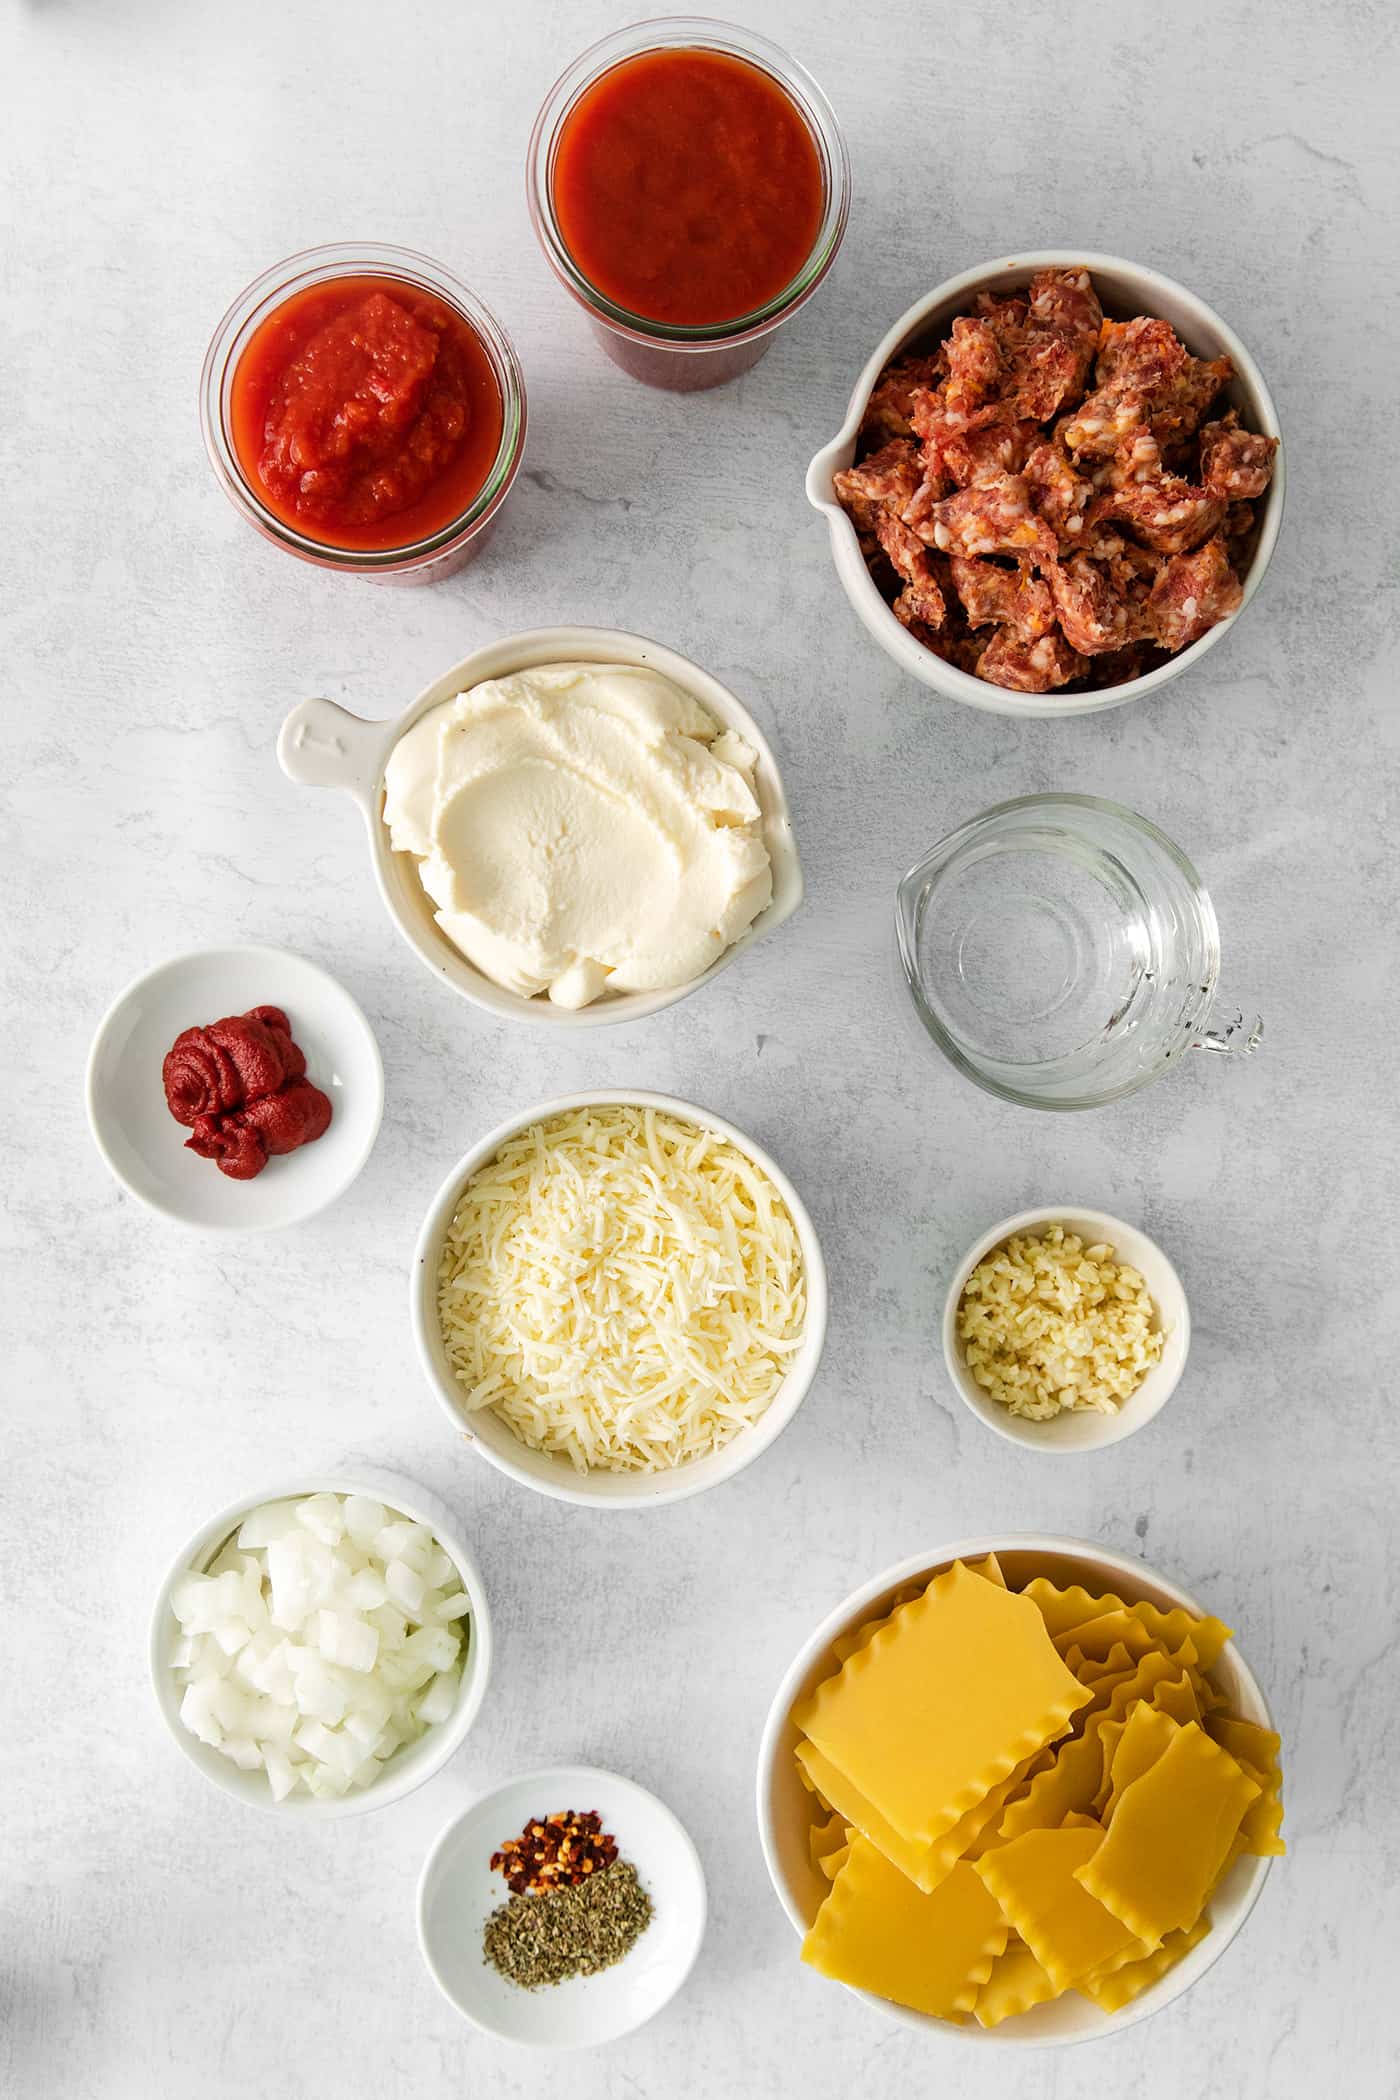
(158, 1942)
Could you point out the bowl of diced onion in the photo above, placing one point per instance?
(323, 1647)
(633, 1329)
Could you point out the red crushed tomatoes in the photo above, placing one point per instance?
(366, 413)
(687, 186)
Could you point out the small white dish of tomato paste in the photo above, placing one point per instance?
(147, 1148)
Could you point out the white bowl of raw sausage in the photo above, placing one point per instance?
(1126, 290)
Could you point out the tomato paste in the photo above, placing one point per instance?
(365, 413)
(240, 1087)
(687, 187)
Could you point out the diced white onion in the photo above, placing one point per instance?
(439, 1699)
(348, 1639)
(262, 1526)
(324, 1517)
(324, 1638)
(363, 1518)
(406, 1586)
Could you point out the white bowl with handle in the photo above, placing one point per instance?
(785, 1806)
(1126, 290)
(321, 744)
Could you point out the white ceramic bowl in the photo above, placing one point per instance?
(785, 1806)
(321, 745)
(547, 1472)
(457, 1893)
(409, 1767)
(145, 1147)
(1126, 289)
(1084, 1429)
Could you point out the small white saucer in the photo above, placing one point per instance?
(458, 1892)
(145, 1147)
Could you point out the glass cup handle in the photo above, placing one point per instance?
(1235, 1036)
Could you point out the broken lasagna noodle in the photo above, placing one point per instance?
(1018, 1794)
(1045, 499)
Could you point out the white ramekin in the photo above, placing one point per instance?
(322, 745)
(409, 1767)
(1126, 289)
(784, 1805)
(548, 1473)
(1084, 1429)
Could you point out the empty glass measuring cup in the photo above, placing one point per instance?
(1062, 952)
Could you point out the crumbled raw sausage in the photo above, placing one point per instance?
(1236, 464)
(1166, 513)
(992, 517)
(993, 596)
(910, 558)
(1095, 618)
(1091, 531)
(1029, 667)
(1191, 593)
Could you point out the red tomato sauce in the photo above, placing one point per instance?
(366, 413)
(687, 186)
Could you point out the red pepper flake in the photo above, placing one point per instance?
(555, 1852)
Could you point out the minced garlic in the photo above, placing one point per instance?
(1047, 1324)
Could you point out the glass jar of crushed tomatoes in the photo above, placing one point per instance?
(364, 410)
(689, 185)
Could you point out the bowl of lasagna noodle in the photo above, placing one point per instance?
(786, 1809)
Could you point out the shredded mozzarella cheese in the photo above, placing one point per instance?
(623, 1287)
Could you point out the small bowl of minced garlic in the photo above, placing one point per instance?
(1065, 1329)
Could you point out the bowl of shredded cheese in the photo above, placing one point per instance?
(1065, 1329)
(619, 1299)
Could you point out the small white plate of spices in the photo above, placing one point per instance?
(587, 1923)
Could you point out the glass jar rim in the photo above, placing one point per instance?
(947, 850)
(261, 298)
(682, 32)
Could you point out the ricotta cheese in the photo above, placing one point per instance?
(581, 829)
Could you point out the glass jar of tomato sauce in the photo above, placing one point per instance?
(690, 186)
(364, 410)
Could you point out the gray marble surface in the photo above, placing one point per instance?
(154, 1940)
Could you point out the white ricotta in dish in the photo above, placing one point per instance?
(581, 829)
